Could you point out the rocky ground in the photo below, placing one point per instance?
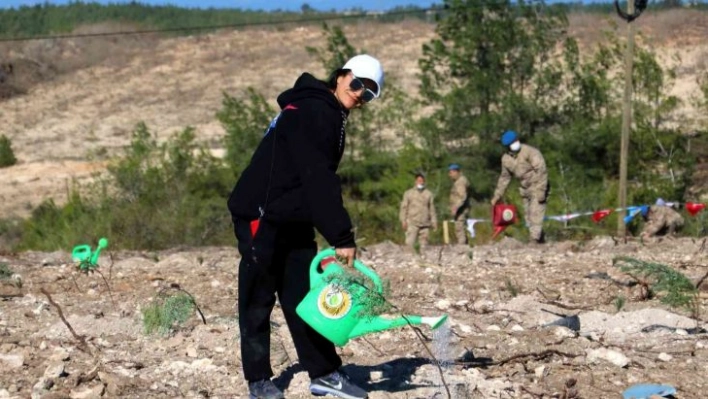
(499, 298)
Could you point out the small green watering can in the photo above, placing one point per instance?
(85, 258)
(333, 307)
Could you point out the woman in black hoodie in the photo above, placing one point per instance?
(290, 188)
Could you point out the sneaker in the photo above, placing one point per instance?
(264, 389)
(337, 384)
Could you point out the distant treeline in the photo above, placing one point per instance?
(48, 19)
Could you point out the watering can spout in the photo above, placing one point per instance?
(380, 323)
(339, 308)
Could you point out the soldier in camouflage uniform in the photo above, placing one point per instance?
(459, 203)
(417, 214)
(526, 163)
(661, 219)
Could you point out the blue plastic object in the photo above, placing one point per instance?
(645, 391)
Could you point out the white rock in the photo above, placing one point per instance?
(54, 370)
(442, 304)
(376, 375)
(42, 306)
(465, 328)
(201, 364)
(215, 283)
(539, 371)
(517, 327)
(12, 361)
(178, 366)
(40, 388)
(562, 332)
(664, 357)
(4, 393)
(219, 349)
(60, 354)
(493, 328)
(681, 331)
(192, 351)
(612, 356)
(95, 391)
(462, 303)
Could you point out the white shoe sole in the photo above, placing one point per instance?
(321, 390)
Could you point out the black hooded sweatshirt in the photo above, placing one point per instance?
(292, 175)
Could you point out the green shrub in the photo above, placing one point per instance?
(675, 288)
(167, 313)
(5, 271)
(155, 196)
(7, 156)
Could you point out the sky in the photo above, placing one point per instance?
(321, 5)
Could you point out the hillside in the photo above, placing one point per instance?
(69, 104)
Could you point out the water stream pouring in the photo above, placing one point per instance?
(334, 305)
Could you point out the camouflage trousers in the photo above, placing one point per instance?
(461, 229)
(416, 232)
(534, 212)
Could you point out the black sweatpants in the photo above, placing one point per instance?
(277, 260)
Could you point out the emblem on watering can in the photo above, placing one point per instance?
(334, 301)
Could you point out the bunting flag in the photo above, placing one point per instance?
(597, 216)
(565, 218)
(633, 211)
(471, 223)
(693, 208)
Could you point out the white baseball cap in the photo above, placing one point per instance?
(367, 67)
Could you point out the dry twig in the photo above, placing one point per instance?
(83, 345)
(522, 356)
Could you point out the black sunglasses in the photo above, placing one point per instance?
(356, 84)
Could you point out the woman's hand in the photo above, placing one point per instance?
(346, 255)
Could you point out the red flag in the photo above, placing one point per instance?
(601, 214)
(694, 207)
(502, 216)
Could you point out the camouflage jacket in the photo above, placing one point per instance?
(660, 217)
(529, 167)
(458, 194)
(418, 208)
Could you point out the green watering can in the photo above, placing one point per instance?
(86, 259)
(334, 309)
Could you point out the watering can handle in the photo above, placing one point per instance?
(329, 252)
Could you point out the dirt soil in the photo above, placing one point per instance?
(499, 299)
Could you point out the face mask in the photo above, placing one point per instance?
(515, 146)
(420, 186)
